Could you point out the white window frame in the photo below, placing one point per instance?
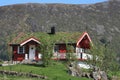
(22, 51)
(57, 48)
(79, 50)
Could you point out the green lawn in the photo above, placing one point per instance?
(54, 72)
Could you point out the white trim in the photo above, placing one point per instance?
(57, 48)
(26, 56)
(18, 51)
(40, 56)
(30, 40)
(85, 34)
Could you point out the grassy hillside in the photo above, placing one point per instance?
(101, 20)
(57, 71)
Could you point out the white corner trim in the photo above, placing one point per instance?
(29, 40)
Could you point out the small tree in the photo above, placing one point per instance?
(103, 57)
(46, 49)
(70, 53)
(97, 56)
(110, 60)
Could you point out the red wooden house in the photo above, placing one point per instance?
(81, 46)
(26, 47)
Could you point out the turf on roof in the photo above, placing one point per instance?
(59, 37)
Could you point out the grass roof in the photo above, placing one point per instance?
(59, 37)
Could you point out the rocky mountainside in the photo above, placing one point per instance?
(101, 20)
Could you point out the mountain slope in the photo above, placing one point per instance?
(101, 20)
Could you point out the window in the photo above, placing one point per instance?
(79, 50)
(56, 48)
(21, 49)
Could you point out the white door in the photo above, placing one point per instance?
(32, 52)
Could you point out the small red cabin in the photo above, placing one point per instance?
(27, 47)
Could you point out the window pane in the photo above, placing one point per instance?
(56, 48)
(21, 49)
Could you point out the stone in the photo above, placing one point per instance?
(88, 75)
(103, 75)
(14, 73)
(96, 76)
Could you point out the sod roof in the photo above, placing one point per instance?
(59, 37)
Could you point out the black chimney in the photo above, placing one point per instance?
(52, 30)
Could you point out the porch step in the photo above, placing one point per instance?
(28, 62)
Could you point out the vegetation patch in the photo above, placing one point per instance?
(56, 71)
(14, 73)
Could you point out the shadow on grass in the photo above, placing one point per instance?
(35, 65)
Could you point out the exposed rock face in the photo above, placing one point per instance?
(101, 20)
(97, 74)
(103, 75)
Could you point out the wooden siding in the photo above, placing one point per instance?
(85, 43)
(20, 57)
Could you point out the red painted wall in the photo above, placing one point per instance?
(85, 43)
(16, 56)
(20, 57)
(62, 48)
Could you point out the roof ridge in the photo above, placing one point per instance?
(19, 35)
